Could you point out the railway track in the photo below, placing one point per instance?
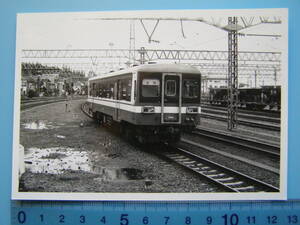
(269, 149)
(30, 103)
(244, 115)
(84, 110)
(266, 113)
(250, 123)
(224, 177)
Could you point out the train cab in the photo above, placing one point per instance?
(154, 101)
(173, 97)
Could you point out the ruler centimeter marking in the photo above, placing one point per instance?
(155, 213)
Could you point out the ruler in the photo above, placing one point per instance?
(155, 213)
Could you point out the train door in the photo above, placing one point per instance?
(117, 91)
(171, 98)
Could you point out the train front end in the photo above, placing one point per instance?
(170, 101)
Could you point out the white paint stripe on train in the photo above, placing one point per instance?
(138, 109)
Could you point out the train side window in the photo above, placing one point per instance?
(119, 89)
(170, 88)
(116, 93)
(90, 89)
(123, 97)
(134, 94)
(101, 90)
(107, 91)
(128, 90)
(190, 88)
(111, 91)
(125, 89)
(93, 89)
(98, 89)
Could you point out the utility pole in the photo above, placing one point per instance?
(232, 73)
(255, 79)
(142, 55)
(132, 42)
(275, 76)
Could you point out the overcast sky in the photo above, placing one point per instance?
(85, 30)
(89, 31)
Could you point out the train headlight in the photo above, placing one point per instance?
(192, 110)
(148, 109)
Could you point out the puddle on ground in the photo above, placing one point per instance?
(60, 136)
(115, 174)
(56, 160)
(59, 159)
(38, 125)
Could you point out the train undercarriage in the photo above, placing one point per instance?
(143, 134)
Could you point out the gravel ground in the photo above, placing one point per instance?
(91, 158)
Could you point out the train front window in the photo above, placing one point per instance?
(191, 88)
(150, 88)
(170, 89)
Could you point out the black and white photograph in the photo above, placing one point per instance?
(151, 105)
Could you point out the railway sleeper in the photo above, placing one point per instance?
(184, 160)
(216, 175)
(200, 169)
(225, 179)
(205, 168)
(171, 154)
(245, 188)
(237, 183)
(190, 162)
(193, 167)
(208, 173)
(212, 175)
(178, 157)
(211, 171)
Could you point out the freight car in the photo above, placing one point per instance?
(151, 103)
(264, 98)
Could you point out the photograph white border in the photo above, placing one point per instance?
(282, 195)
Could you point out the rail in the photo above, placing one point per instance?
(224, 177)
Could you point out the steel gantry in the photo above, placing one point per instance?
(232, 73)
(211, 63)
(217, 71)
(152, 54)
(232, 56)
(218, 64)
(104, 60)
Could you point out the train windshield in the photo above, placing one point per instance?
(150, 88)
(190, 88)
(170, 88)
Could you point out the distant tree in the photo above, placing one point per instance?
(32, 93)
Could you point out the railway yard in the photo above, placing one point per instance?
(199, 106)
(67, 151)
